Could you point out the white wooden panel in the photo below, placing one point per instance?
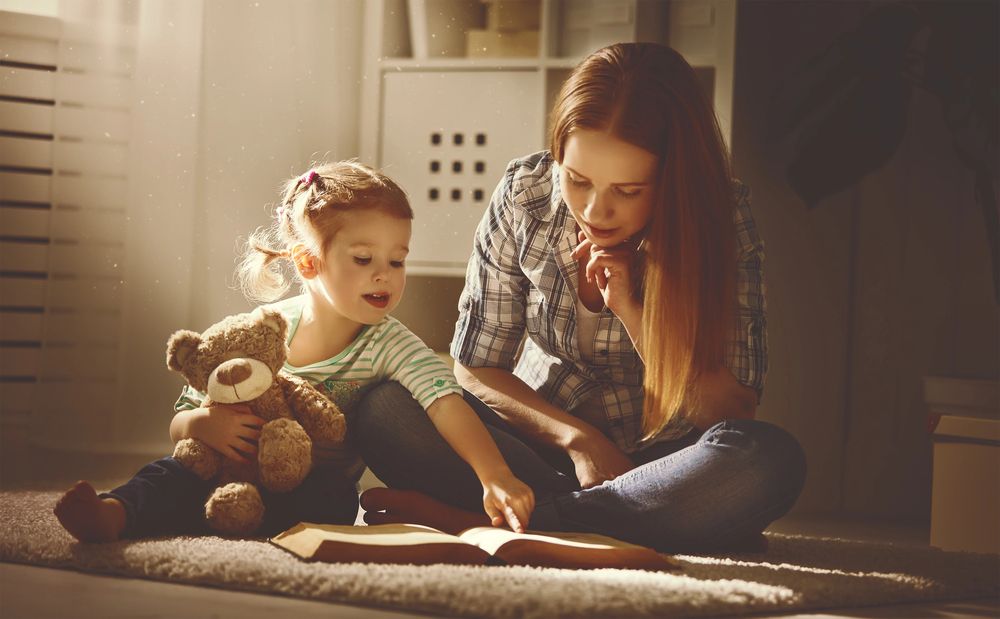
(28, 83)
(82, 326)
(22, 292)
(89, 57)
(82, 292)
(25, 153)
(500, 105)
(24, 49)
(93, 90)
(92, 124)
(20, 327)
(24, 222)
(19, 361)
(23, 257)
(78, 361)
(27, 117)
(75, 393)
(86, 259)
(89, 191)
(85, 292)
(24, 187)
(92, 158)
(16, 397)
(89, 224)
(28, 25)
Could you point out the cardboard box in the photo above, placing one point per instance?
(965, 495)
(513, 14)
(437, 27)
(502, 43)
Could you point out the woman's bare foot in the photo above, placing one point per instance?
(88, 517)
(387, 505)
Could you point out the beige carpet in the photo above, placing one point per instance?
(796, 573)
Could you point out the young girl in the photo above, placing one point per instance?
(346, 229)
(627, 258)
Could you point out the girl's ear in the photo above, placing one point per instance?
(305, 263)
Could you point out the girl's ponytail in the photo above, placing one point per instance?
(261, 278)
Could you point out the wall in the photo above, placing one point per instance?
(280, 89)
(875, 287)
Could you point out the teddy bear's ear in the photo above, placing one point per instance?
(179, 348)
(272, 319)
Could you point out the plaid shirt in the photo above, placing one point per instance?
(522, 278)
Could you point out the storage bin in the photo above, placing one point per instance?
(965, 492)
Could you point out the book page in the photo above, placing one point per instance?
(491, 539)
(378, 535)
(566, 550)
(389, 543)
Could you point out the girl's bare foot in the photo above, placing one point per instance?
(387, 505)
(88, 517)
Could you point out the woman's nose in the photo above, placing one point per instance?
(598, 209)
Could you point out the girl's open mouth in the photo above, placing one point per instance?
(378, 299)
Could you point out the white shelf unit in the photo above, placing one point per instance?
(413, 108)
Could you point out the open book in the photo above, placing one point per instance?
(411, 543)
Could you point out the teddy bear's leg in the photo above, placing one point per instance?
(235, 509)
(284, 453)
(198, 458)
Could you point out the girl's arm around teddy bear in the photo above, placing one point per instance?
(230, 429)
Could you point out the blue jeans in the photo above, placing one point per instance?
(702, 492)
(164, 498)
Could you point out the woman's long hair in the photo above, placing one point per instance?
(647, 95)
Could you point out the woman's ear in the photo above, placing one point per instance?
(305, 262)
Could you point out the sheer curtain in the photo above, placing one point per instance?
(148, 136)
(123, 188)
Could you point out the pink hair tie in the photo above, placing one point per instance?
(308, 178)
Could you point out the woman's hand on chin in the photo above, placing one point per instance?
(611, 269)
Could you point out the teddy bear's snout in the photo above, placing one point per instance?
(234, 372)
(239, 380)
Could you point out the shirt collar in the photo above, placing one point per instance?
(539, 190)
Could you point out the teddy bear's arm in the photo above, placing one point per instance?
(321, 418)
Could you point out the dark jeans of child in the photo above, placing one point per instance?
(707, 490)
(164, 498)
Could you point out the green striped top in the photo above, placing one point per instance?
(381, 352)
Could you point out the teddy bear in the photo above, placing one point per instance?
(240, 360)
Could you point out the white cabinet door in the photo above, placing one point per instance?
(446, 138)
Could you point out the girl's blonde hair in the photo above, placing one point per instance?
(311, 213)
(647, 95)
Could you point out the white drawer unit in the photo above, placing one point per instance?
(447, 137)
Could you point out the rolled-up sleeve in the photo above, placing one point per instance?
(189, 399)
(491, 308)
(746, 354)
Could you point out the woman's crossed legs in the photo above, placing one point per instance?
(712, 491)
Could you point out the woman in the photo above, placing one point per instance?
(629, 259)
